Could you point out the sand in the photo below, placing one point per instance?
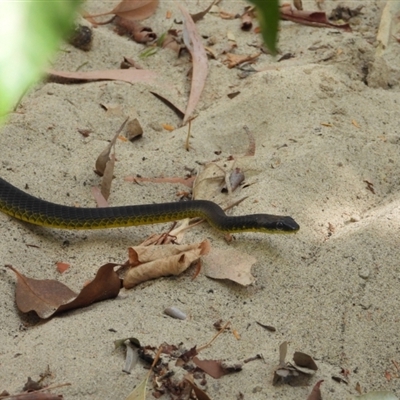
(326, 128)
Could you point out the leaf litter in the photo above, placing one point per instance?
(134, 10)
(150, 262)
(49, 297)
(176, 370)
(194, 44)
(296, 373)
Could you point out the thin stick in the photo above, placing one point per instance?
(215, 336)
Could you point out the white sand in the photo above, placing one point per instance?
(332, 290)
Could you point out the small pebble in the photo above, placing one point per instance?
(175, 313)
(364, 273)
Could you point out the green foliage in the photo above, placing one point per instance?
(31, 31)
(268, 15)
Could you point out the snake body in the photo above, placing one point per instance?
(25, 207)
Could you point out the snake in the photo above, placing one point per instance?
(33, 210)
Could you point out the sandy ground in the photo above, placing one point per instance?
(325, 122)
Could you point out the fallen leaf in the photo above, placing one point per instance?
(193, 43)
(312, 18)
(235, 59)
(135, 30)
(230, 264)
(125, 75)
(31, 385)
(217, 368)
(62, 267)
(47, 297)
(139, 393)
(200, 394)
(133, 130)
(101, 202)
(304, 360)
(267, 327)
(177, 110)
(316, 392)
(104, 156)
(200, 15)
(107, 178)
(150, 262)
(293, 373)
(135, 10)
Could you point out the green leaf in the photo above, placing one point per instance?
(268, 16)
(31, 30)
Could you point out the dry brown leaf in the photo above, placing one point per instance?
(217, 368)
(304, 360)
(108, 176)
(230, 264)
(200, 15)
(200, 394)
(135, 10)
(125, 75)
(62, 267)
(312, 18)
(101, 202)
(194, 44)
(104, 156)
(135, 30)
(47, 297)
(133, 130)
(178, 111)
(235, 59)
(150, 262)
(316, 392)
(300, 371)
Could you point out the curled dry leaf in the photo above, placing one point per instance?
(232, 60)
(194, 44)
(125, 75)
(293, 373)
(230, 264)
(150, 262)
(200, 394)
(108, 176)
(135, 30)
(104, 156)
(133, 129)
(217, 368)
(312, 18)
(316, 392)
(47, 297)
(200, 15)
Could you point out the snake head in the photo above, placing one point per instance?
(277, 224)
